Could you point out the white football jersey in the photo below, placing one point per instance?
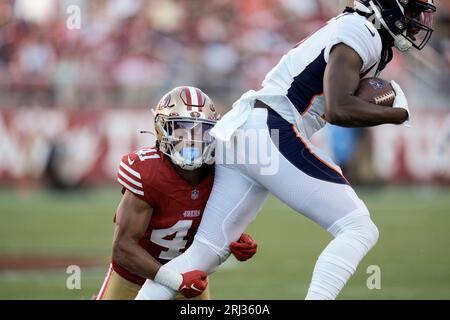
(294, 87)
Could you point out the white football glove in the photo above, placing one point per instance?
(401, 101)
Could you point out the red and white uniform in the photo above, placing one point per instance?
(177, 205)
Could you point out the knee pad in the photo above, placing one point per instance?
(357, 226)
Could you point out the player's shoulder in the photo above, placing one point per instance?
(358, 33)
(142, 161)
(358, 25)
(138, 169)
(349, 19)
(141, 155)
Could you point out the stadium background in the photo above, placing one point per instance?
(72, 101)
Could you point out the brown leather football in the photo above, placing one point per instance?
(377, 91)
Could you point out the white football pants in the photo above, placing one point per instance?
(301, 176)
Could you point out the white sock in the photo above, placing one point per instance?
(355, 235)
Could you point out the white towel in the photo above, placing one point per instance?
(235, 118)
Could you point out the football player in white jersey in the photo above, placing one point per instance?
(314, 83)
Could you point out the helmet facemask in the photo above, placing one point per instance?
(186, 141)
(419, 22)
(183, 120)
(409, 22)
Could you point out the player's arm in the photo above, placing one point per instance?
(342, 107)
(132, 218)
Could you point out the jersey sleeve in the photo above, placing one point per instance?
(135, 176)
(360, 35)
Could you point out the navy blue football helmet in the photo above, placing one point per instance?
(409, 22)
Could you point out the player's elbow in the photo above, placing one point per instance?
(333, 118)
(336, 112)
(336, 117)
(120, 250)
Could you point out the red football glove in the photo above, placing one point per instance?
(194, 283)
(244, 248)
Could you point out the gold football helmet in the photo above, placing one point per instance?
(183, 119)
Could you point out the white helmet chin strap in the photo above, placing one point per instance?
(360, 7)
(400, 42)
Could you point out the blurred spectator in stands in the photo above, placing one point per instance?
(130, 51)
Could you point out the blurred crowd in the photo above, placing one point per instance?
(60, 57)
(126, 53)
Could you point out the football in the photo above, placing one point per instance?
(377, 91)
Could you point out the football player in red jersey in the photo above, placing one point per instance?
(165, 190)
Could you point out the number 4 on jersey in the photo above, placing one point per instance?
(175, 245)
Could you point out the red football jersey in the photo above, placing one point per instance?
(177, 205)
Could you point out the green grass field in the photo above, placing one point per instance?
(413, 251)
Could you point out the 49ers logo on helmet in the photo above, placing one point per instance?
(192, 97)
(195, 114)
(164, 103)
(182, 120)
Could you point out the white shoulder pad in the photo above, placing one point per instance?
(358, 33)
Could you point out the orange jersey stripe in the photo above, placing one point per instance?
(297, 134)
